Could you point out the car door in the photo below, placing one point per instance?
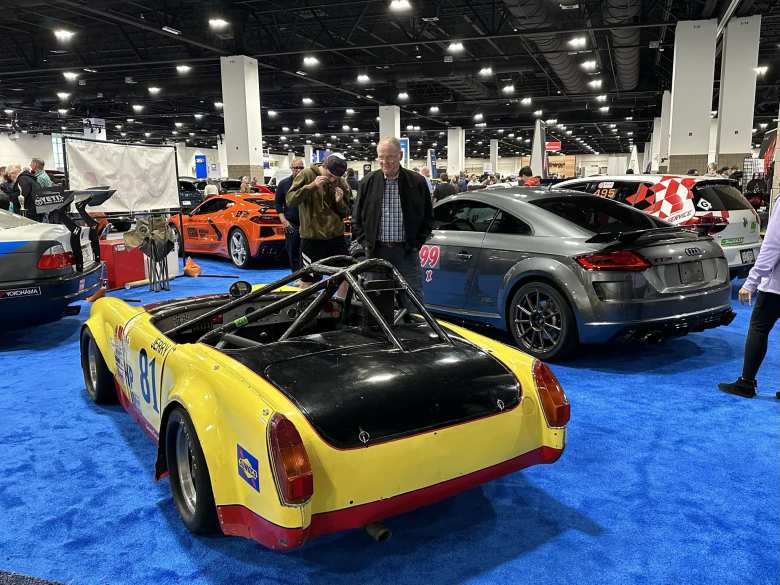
(507, 242)
(202, 231)
(449, 258)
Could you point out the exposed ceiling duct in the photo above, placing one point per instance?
(532, 15)
(625, 41)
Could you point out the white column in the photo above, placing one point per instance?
(646, 156)
(456, 150)
(94, 128)
(633, 160)
(692, 79)
(183, 161)
(389, 121)
(494, 155)
(712, 152)
(655, 145)
(737, 95)
(308, 154)
(222, 156)
(538, 153)
(243, 129)
(663, 130)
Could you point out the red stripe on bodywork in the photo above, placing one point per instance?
(238, 520)
(134, 413)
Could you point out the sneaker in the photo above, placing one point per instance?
(744, 388)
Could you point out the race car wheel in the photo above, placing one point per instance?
(190, 481)
(97, 376)
(542, 322)
(238, 246)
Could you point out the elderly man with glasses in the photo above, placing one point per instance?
(289, 216)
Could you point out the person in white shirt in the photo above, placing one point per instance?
(763, 282)
(210, 190)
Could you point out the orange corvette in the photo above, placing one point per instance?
(241, 227)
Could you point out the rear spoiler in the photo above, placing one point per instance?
(634, 235)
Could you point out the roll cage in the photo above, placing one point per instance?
(381, 298)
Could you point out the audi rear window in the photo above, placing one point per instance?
(718, 197)
(598, 215)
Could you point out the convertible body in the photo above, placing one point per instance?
(321, 415)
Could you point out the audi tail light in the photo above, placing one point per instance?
(619, 260)
(554, 402)
(290, 462)
(56, 258)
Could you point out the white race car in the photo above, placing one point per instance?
(688, 200)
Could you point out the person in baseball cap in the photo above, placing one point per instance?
(322, 197)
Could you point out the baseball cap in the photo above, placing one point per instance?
(336, 164)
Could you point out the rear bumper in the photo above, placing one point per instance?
(671, 326)
(270, 248)
(238, 520)
(733, 256)
(29, 302)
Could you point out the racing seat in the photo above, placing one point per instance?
(382, 293)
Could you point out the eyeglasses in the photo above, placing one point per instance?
(297, 168)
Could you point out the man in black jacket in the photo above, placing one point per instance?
(289, 216)
(393, 216)
(444, 188)
(26, 189)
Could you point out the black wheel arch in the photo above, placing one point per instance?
(546, 279)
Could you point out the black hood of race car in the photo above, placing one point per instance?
(356, 390)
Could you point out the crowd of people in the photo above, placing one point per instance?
(19, 187)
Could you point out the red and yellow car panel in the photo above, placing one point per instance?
(211, 227)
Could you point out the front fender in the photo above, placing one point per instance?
(105, 316)
(550, 269)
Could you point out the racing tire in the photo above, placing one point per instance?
(97, 377)
(541, 321)
(189, 475)
(238, 248)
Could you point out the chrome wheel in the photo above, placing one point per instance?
(538, 321)
(92, 365)
(238, 248)
(185, 464)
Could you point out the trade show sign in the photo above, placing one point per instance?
(201, 170)
(405, 151)
(552, 146)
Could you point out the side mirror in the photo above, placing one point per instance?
(239, 289)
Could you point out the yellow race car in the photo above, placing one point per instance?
(282, 414)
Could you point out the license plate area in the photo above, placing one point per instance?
(691, 272)
(748, 257)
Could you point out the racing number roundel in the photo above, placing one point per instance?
(429, 260)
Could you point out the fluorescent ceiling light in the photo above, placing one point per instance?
(173, 31)
(400, 5)
(350, 111)
(118, 126)
(595, 83)
(8, 111)
(285, 129)
(138, 108)
(62, 111)
(197, 116)
(154, 90)
(538, 113)
(589, 65)
(63, 95)
(402, 95)
(218, 23)
(478, 117)
(310, 61)
(434, 109)
(761, 69)
(509, 88)
(307, 101)
(486, 71)
(63, 35)
(363, 78)
(526, 101)
(178, 124)
(551, 121)
(345, 128)
(271, 114)
(218, 105)
(183, 68)
(578, 42)
(601, 98)
(629, 118)
(309, 122)
(147, 134)
(763, 125)
(455, 47)
(70, 75)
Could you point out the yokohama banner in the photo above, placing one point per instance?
(145, 177)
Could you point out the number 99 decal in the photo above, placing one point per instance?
(429, 256)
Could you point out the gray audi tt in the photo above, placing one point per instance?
(556, 268)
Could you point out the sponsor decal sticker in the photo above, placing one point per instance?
(606, 184)
(731, 241)
(248, 468)
(15, 293)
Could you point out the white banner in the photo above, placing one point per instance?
(144, 177)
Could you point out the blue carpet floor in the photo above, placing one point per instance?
(664, 480)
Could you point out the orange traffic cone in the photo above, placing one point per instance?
(98, 294)
(190, 268)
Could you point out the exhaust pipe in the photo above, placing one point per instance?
(378, 531)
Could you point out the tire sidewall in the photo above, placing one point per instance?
(104, 392)
(204, 519)
(568, 339)
(245, 241)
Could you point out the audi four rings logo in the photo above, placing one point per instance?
(694, 251)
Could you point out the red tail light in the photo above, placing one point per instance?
(265, 219)
(55, 257)
(714, 224)
(554, 402)
(290, 462)
(621, 260)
